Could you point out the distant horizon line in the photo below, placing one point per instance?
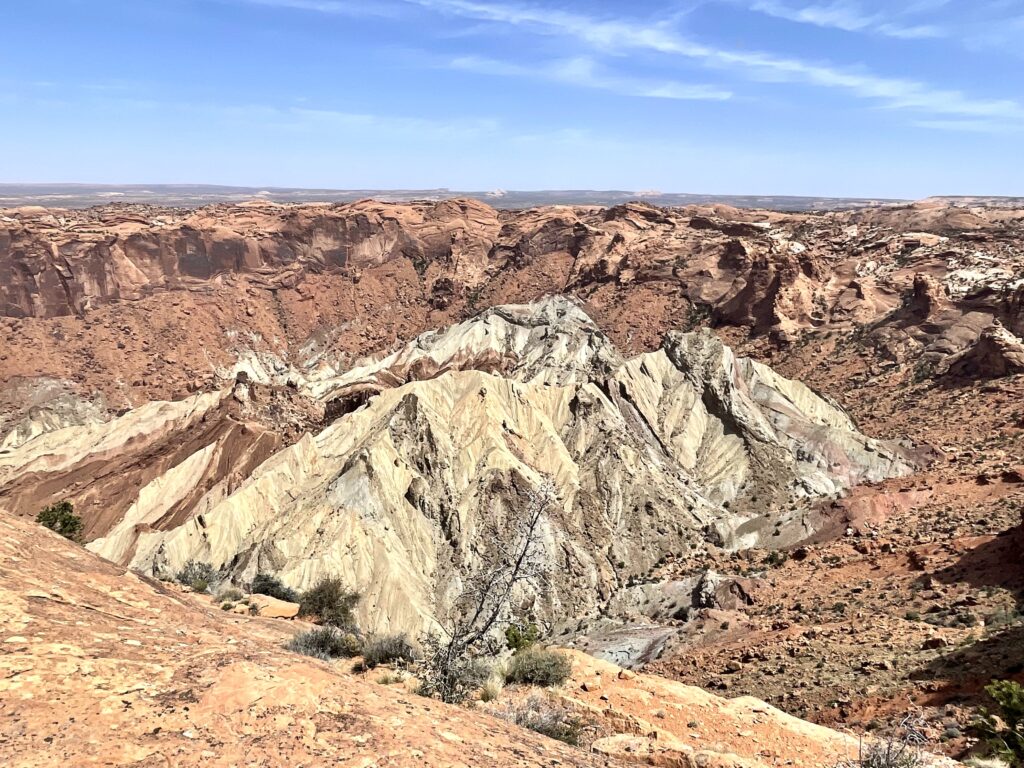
(79, 195)
(496, 192)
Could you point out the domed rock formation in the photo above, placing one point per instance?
(403, 489)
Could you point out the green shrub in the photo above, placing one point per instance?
(267, 584)
(518, 637)
(326, 643)
(230, 595)
(541, 714)
(776, 559)
(61, 518)
(389, 649)
(196, 575)
(331, 603)
(539, 666)
(1004, 733)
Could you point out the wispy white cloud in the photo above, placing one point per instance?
(620, 34)
(453, 128)
(1003, 34)
(847, 16)
(584, 72)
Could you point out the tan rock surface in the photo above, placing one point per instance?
(664, 723)
(271, 608)
(100, 667)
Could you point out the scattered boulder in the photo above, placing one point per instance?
(272, 608)
(996, 353)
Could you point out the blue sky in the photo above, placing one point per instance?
(817, 97)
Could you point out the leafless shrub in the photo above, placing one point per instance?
(326, 643)
(905, 749)
(539, 666)
(451, 670)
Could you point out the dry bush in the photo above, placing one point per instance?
(197, 576)
(541, 713)
(326, 643)
(454, 661)
(389, 649)
(539, 666)
(331, 603)
(903, 750)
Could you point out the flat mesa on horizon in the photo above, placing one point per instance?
(190, 195)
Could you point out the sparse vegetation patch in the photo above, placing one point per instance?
(61, 518)
(267, 584)
(539, 666)
(326, 643)
(389, 649)
(542, 714)
(197, 576)
(1003, 731)
(330, 602)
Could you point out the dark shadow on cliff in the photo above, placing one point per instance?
(961, 674)
(997, 563)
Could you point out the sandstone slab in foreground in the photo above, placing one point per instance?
(99, 667)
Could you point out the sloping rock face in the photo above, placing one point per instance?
(663, 723)
(153, 464)
(103, 667)
(100, 668)
(62, 263)
(418, 478)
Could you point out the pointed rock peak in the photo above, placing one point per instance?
(559, 312)
(928, 297)
(699, 354)
(551, 340)
(554, 331)
(701, 342)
